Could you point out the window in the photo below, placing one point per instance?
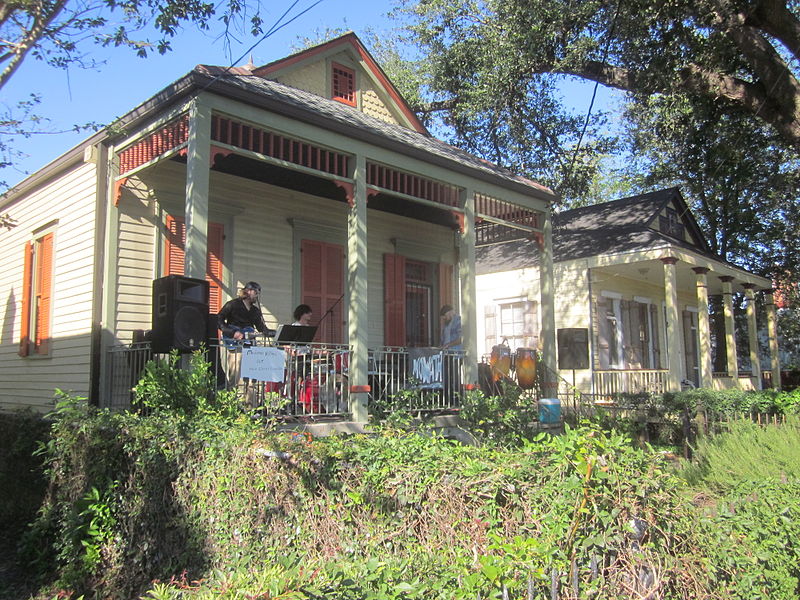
(37, 288)
(176, 251)
(513, 322)
(609, 332)
(343, 84)
(670, 224)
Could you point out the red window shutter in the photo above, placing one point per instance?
(27, 279)
(176, 246)
(394, 300)
(446, 295)
(175, 253)
(343, 82)
(216, 241)
(322, 286)
(44, 288)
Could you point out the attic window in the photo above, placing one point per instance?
(670, 224)
(343, 84)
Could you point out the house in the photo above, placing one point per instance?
(310, 175)
(633, 281)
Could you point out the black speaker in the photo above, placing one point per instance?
(180, 313)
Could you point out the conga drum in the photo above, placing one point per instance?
(525, 360)
(500, 361)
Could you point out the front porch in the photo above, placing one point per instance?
(375, 239)
(316, 379)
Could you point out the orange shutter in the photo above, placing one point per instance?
(176, 252)
(322, 286)
(216, 240)
(445, 285)
(44, 288)
(25, 325)
(394, 300)
(176, 245)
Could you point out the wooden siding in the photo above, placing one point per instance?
(68, 203)
(260, 244)
(136, 267)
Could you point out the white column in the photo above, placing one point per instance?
(547, 303)
(772, 331)
(703, 328)
(730, 328)
(752, 334)
(197, 179)
(466, 277)
(673, 350)
(357, 290)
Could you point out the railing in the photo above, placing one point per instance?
(608, 384)
(314, 380)
(394, 385)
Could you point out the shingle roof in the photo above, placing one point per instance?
(325, 112)
(609, 228)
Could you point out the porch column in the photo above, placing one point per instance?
(466, 278)
(752, 333)
(197, 177)
(730, 327)
(772, 332)
(547, 300)
(674, 355)
(704, 329)
(357, 290)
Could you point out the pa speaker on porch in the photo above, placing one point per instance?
(180, 313)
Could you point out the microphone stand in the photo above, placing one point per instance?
(330, 310)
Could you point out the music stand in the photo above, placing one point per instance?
(293, 334)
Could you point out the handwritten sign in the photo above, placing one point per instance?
(425, 367)
(263, 364)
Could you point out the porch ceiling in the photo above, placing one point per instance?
(259, 170)
(651, 272)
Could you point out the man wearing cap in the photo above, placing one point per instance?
(237, 318)
(242, 314)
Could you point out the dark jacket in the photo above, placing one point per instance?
(234, 317)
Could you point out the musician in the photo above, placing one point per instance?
(302, 315)
(242, 314)
(238, 317)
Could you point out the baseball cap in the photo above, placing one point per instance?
(252, 285)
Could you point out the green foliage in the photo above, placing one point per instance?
(505, 419)
(165, 386)
(21, 477)
(746, 452)
(175, 505)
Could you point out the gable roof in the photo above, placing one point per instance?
(343, 119)
(348, 41)
(241, 85)
(623, 225)
(609, 228)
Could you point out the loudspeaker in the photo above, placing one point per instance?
(180, 313)
(573, 348)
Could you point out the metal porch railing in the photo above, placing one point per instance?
(394, 385)
(315, 379)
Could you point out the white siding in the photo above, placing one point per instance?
(69, 203)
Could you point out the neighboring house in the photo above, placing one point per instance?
(310, 175)
(633, 279)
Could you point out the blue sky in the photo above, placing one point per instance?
(75, 95)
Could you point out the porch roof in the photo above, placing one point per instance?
(345, 120)
(620, 227)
